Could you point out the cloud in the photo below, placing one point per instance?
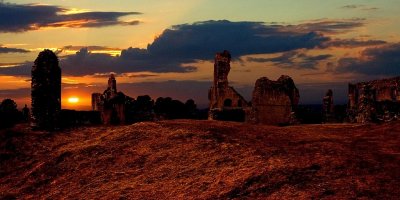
(178, 47)
(27, 17)
(4, 49)
(294, 59)
(327, 26)
(359, 7)
(383, 60)
(352, 43)
(89, 48)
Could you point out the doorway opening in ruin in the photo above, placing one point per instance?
(228, 103)
(239, 103)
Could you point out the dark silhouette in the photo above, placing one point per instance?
(328, 107)
(46, 91)
(140, 109)
(26, 114)
(111, 104)
(168, 108)
(73, 118)
(9, 115)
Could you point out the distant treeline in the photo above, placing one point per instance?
(313, 114)
(9, 114)
(143, 108)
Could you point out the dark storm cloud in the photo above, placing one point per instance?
(202, 39)
(183, 44)
(4, 49)
(294, 59)
(26, 17)
(383, 60)
(21, 69)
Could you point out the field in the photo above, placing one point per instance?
(187, 159)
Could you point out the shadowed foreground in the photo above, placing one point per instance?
(202, 159)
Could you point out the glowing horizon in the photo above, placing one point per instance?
(151, 45)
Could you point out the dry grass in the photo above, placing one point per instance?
(186, 159)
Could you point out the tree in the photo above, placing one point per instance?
(9, 114)
(46, 90)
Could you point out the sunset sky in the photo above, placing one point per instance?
(166, 47)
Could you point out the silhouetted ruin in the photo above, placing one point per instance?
(274, 102)
(328, 107)
(46, 91)
(224, 99)
(111, 104)
(377, 100)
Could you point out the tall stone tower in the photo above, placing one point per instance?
(111, 91)
(46, 91)
(112, 83)
(222, 67)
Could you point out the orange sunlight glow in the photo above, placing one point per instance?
(73, 100)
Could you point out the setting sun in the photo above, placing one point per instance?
(73, 100)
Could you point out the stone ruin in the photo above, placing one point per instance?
(111, 104)
(273, 102)
(222, 96)
(377, 100)
(328, 107)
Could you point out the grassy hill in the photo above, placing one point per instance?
(187, 159)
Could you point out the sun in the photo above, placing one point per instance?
(73, 100)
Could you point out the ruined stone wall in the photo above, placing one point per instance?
(273, 102)
(225, 98)
(97, 102)
(111, 104)
(370, 101)
(221, 95)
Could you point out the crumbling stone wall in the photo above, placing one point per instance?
(221, 95)
(111, 103)
(375, 100)
(274, 102)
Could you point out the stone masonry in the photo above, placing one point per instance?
(374, 100)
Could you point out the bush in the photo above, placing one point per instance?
(9, 115)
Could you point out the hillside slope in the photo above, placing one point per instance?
(186, 159)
